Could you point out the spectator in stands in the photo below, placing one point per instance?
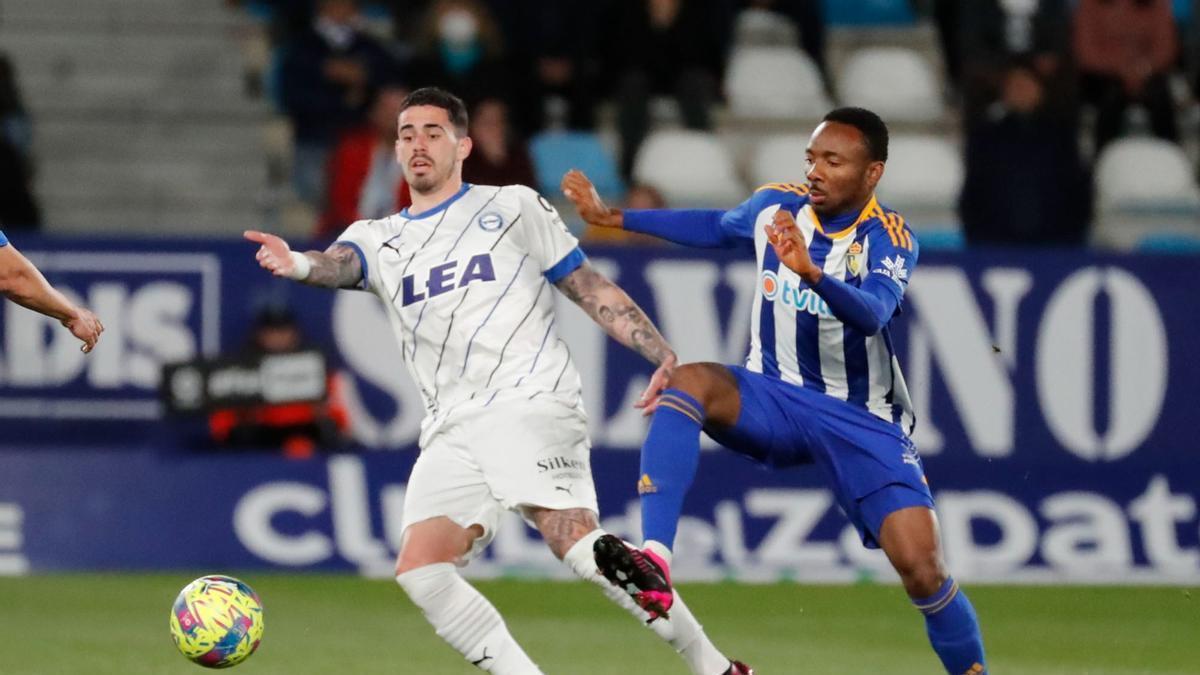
(664, 47)
(460, 48)
(995, 32)
(18, 208)
(326, 75)
(298, 428)
(497, 157)
(1025, 181)
(365, 180)
(554, 46)
(1126, 50)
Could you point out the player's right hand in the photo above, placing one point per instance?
(274, 254)
(85, 326)
(591, 208)
(659, 381)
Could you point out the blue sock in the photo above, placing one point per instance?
(669, 459)
(953, 630)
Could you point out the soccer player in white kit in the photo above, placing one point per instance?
(465, 274)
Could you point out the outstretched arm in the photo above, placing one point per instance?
(700, 228)
(338, 267)
(21, 282)
(620, 317)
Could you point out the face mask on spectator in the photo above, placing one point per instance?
(338, 35)
(458, 28)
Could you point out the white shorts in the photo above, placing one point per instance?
(535, 453)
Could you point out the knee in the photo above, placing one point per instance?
(433, 542)
(695, 380)
(922, 574)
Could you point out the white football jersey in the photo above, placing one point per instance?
(468, 287)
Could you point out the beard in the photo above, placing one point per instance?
(431, 181)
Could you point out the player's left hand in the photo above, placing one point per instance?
(788, 242)
(659, 381)
(84, 325)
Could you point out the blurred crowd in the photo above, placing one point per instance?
(1035, 90)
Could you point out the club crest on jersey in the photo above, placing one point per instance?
(854, 259)
(491, 221)
(446, 277)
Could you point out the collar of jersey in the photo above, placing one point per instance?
(440, 207)
(867, 212)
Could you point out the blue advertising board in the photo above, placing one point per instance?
(1052, 388)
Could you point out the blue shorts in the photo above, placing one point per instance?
(871, 465)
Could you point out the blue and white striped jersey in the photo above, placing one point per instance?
(468, 287)
(794, 335)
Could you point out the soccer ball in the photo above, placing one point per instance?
(217, 621)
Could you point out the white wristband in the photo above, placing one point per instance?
(301, 266)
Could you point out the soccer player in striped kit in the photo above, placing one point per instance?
(822, 383)
(466, 274)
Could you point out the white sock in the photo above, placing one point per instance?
(660, 549)
(465, 619)
(681, 631)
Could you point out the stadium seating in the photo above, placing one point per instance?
(922, 180)
(141, 122)
(763, 28)
(778, 83)
(923, 172)
(690, 168)
(778, 158)
(896, 82)
(1146, 191)
(556, 152)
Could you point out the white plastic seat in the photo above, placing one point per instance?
(896, 83)
(1145, 192)
(922, 172)
(1145, 174)
(774, 83)
(690, 168)
(779, 159)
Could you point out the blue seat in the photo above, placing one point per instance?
(1183, 11)
(868, 12)
(556, 152)
(1176, 243)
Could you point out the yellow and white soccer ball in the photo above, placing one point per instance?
(217, 621)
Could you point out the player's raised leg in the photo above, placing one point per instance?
(571, 535)
(426, 569)
(910, 538)
(699, 393)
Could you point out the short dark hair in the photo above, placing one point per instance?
(874, 131)
(440, 98)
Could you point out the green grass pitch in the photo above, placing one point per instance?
(346, 625)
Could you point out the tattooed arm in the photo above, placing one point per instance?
(337, 267)
(620, 317)
(616, 312)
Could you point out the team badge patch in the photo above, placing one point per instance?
(854, 259)
(894, 269)
(491, 221)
